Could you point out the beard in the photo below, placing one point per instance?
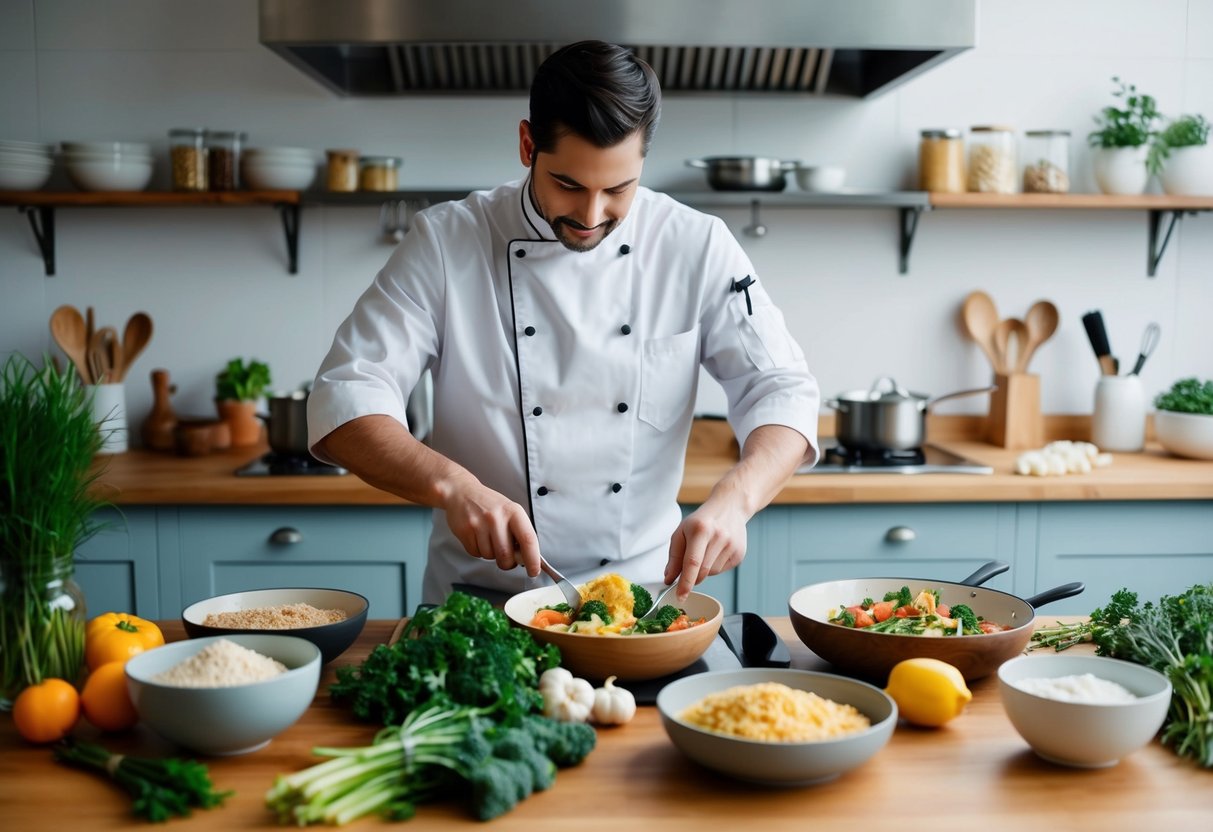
(560, 227)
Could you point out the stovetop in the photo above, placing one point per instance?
(288, 465)
(928, 459)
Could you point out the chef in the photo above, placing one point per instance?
(564, 318)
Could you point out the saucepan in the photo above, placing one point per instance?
(287, 422)
(886, 416)
(745, 173)
(871, 656)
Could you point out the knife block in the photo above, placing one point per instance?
(1015, 420)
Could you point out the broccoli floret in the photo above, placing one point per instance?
(498, 785)
(660, 622)
(561, 607)
(642, 600)
(868, 603)
(968, 618)
(564, 743)
(592, 608)
(517, 744)
(846, 618)
(900, 599)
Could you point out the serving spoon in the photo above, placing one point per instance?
(652, 613)
(980, 318)
(572, 596)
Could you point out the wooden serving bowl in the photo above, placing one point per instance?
(630, 658)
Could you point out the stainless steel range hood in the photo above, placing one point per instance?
(816, 47)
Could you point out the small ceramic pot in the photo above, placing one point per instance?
(241, 418)
(1121, 170)
(1188, 171)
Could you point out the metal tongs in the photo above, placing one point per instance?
(572, 596)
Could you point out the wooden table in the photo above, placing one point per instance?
(975, 773)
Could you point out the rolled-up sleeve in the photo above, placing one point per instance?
(389, 339)
(748, 349)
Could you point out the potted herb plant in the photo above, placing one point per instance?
(1122, 141)
(237, 389)
(1184, 421)
(1183, 158)
(48, 506)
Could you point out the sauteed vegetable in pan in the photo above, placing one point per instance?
(904, 613)
(612, 605)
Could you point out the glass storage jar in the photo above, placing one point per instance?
(42, 612)
(342, 174)
(941, 161)
(380, 173)
(1046, 162)
(187, 149)
(992, 167)
(223, 149)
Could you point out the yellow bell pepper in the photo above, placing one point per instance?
(116, 636)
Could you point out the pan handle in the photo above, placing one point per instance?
(985, 572)
(1055, 594)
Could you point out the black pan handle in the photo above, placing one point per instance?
(986, 571)
(1055, 594)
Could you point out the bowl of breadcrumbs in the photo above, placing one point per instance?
(329, 618)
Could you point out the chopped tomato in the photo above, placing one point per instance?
(991, 627)
(882, 611)
(682, 622)
(943, 610)
(862, 619)
(908, 611)
(548, 618)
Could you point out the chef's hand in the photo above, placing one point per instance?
(710, 540)
(491, 526)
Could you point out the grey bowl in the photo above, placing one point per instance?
(778, 763)
(229, 720)
(332, 639)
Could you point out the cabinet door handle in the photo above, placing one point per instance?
(286, 535)
(900, 534)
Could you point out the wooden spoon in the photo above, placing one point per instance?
(68, 328)
(104, 356)
(135, 337)
(1041, 321)
(1006, 331)
(980, 318)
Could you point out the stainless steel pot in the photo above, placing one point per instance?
(886, 417)
(287, 423)
(745, 173)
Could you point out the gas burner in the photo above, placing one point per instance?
(878, 457)
(288, 465)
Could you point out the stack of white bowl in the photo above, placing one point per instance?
(25, 166)
(278, 168)
(108, 166)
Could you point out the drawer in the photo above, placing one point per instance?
(117, 568)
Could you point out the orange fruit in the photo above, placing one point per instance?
(105, 699)
(47, 711)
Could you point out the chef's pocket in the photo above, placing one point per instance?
(766, 339)
(667, 380)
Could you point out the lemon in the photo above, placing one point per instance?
(928, 692)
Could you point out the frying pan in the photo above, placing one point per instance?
(872, 655)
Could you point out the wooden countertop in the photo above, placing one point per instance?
(147, 478)
(975, 773)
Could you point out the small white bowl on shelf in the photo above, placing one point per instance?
(116, 173)
(260, 174)
(821, 179)
(108, 148)
(24, 176)
(1185, 434)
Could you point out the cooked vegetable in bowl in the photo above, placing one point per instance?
(613, 605)
(924, 614)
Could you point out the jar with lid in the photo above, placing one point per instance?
(187, 149)
(223, 149)
(941, 161)
(1046, 162)
(992, 166)
(342, 170)
(380, 173)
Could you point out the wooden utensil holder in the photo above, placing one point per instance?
(1015, 420)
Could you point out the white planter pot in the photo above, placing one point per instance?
(1188, 171)
(1121, 170)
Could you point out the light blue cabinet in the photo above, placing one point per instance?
(118, 569)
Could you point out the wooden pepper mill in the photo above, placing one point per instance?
(158, 427)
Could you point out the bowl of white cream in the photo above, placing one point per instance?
(1082, 710)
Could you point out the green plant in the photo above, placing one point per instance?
(1132, 126)
(1185, 131)
(48, 506)
(1187, 395)
(241, 382)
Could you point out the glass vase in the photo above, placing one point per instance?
(42, 622)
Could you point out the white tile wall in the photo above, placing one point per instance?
(215, 280)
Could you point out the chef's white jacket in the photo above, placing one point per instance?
(565, 380)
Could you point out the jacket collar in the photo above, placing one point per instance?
(535, 224)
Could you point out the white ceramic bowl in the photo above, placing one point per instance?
(230, 720)
(109, 148)
(1078, 734)
(23, 157)
(1185, 434)
(38, 148)
(118, 174)
(273, 176)
(821, 178)
(778, 763)
(22, 177)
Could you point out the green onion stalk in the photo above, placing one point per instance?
(48, 505)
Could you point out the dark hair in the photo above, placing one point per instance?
(599, 91)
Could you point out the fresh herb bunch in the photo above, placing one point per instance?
(463, 652)
(1132, 126)
(1173, 636)
(48, 507)
(239, 382)
(162, 789)
(1185, 131)
(1187, 396)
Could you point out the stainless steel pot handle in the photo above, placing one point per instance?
(286, 536)
(900, 534)
(696, 163)
(787, 165)
(973, 392)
